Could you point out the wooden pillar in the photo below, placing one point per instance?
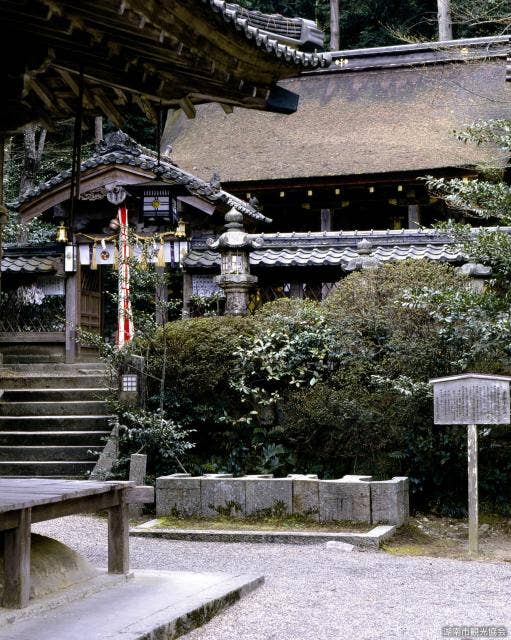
(444, 20)
(296, 290)
(162, 296)
(413, 216)
(473, 491)
(326, 220)
(17, 563)
(326, 225)
(118, 536)
(187, 294)
(334, 25)
(98, 129)
(73, 288)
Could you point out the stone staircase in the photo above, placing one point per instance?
(54, 419)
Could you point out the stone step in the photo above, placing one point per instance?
(54, 395)
(56, 367)
(51, 381)
(55, 423)
(49, 469)
(54, 438)
(61, 453)
(63, 408)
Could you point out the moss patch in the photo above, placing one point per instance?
(267, 523)
(448, 538)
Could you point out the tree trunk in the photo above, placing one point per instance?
(334, 25)
(444, 20)
(33, 153)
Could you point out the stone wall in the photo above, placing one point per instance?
(354, 498)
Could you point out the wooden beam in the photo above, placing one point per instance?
(227, 108)
(43, 93)
(32, 336)
(87, 504)
(107, 107)
(188, 108)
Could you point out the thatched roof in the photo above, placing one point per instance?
(367, 119)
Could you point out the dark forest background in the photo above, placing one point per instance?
(376, 23)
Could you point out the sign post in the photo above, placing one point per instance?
(472, 399)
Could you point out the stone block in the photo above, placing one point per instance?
(390, 501)
(259, 475)
(178, 496)
(346, 499)
(306, 497)
(308, 476)
(337, 545)
(223, 496)
(217, 475)
(138, 466)
(265, 495)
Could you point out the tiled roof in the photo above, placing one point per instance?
(119, 149)
(30, 264)
(251, 22)
(422, 53)
(321, 257)
(336, 248)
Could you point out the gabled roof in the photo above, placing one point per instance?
(392, 109)
(119, 150)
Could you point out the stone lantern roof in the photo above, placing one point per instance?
(235, 236)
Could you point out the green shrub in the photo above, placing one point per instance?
(190, 366)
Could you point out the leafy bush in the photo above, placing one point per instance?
(161, 439)
(190, 366)
(333, 388)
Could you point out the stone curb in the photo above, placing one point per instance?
(151, 611)
(370, 540)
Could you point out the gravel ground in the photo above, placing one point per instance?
(315, 593)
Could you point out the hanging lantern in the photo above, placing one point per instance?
(61, 233)
(181, 229)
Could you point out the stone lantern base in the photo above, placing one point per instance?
(236, 288)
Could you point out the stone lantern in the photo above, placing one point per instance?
(365, 259)
(234, 246)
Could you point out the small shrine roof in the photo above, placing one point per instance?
(31, 264)
(119, 149)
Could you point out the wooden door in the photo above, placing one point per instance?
(90, 300)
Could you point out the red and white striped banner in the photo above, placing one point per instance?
(125, 318)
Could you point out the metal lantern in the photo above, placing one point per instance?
(158, 201)
(181, 229)
(61, 233)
